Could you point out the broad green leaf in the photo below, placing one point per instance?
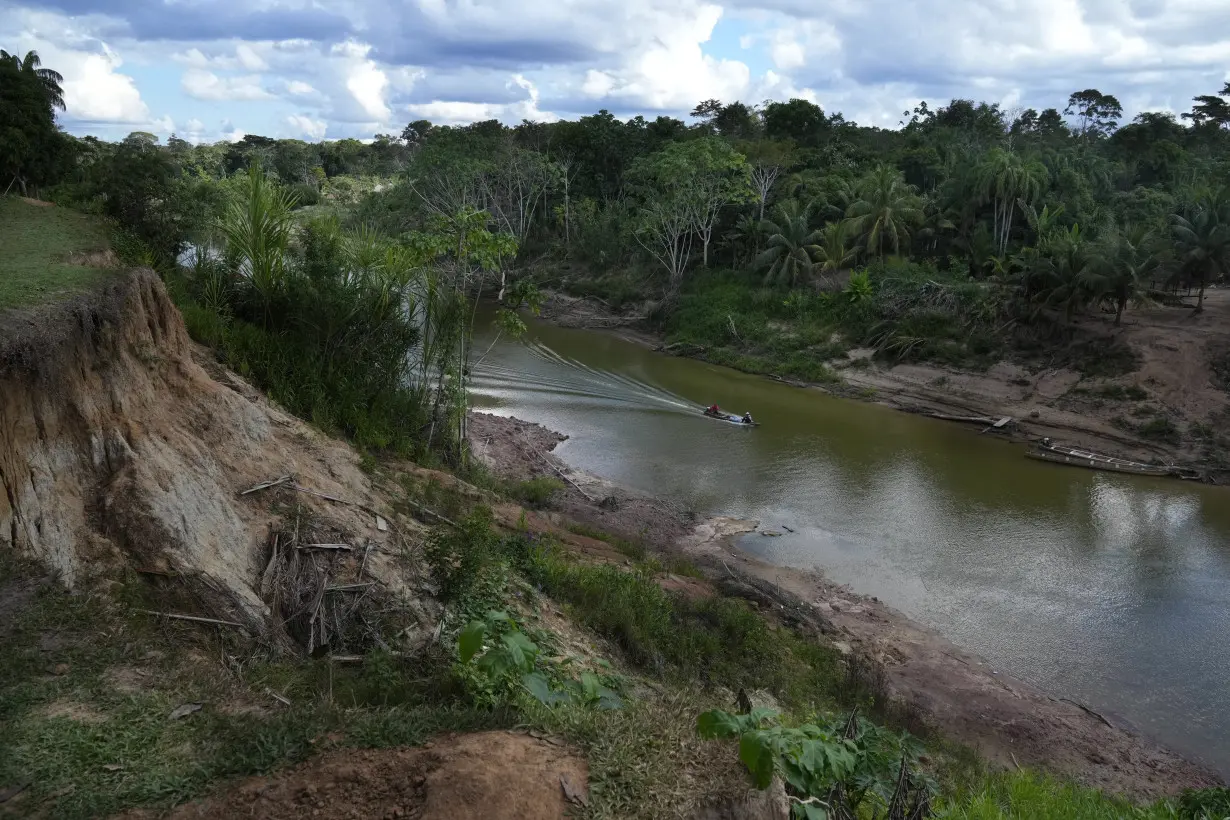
(757, 755)
(717, 724)
(521, 650)
(609, 699)
(761, 714)
(471, 640)
(589, 685)
(811, 811)
(495, 616)
(539, 687)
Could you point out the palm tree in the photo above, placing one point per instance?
(885, 210)
(1004, 178)
(834, 252)
(50, 80)
(1064, 265)
(1120, 268)
(792, 244)
(1203, 239)
(257, 226)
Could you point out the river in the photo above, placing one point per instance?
(1107, 589)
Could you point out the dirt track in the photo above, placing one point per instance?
(1008, 721)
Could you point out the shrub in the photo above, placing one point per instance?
(535, 492)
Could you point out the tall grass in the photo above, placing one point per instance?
(1025, 795)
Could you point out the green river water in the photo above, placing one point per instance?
(1111, 590)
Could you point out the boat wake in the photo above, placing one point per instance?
(576, 382)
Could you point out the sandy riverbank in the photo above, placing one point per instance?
(1178, 352)
(1007, 721)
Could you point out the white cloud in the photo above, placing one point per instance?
(246, 57)
(94, 88)
(307, 127)
(205, 85)
(300, 88)
(459, 113)
(249, 59)
(671, 70)
(364, 82)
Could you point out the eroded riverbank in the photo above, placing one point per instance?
(1008, 721)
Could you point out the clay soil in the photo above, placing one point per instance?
(520, 450)
(490, 775)
(934, 683)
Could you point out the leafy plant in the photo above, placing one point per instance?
(1205, 804)
(860, 288)
(506, 659)
(831, 769)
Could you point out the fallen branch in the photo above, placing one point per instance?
(350, 587)
(433, 514)
(345, 547)
(194, 618)
(279, 698)
(346, 658)
(564, 476)
(335, 499)
(265, 485)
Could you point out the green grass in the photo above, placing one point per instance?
(88, 748)
(36, 242)
(707, 641)
(1024, 795)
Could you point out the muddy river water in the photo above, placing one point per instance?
(1107, 589)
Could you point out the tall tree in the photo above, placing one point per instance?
(792, 244)
(50, 80)
(1121, 267)
(702, 175)
(1203, 239)
(1006, 178)
(1097, 113)
(886, 210)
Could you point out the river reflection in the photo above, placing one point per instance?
(1104, 588)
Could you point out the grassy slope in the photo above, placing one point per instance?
(35, 241)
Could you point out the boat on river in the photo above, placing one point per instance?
(1073, 456)
(729, 418)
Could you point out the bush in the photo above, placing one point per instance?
(719, 641)
(535, 492)
(1204, 804)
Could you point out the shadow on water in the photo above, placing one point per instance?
(1105, 588)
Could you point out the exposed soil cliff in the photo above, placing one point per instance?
(117, 447)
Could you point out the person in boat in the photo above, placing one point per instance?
(713, 410)
(747, 418)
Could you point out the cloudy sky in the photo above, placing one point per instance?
(312, 69)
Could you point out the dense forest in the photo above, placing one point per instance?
(766, 235)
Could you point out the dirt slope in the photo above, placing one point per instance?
(491, 775)
(117, 447)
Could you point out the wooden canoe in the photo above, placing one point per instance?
(1058, 454)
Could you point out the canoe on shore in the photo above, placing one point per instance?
(729, 418)
(1059, 454)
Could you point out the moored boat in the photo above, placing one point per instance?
(1073, 456)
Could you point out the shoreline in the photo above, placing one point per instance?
(1007, 721)
(1040, 405)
